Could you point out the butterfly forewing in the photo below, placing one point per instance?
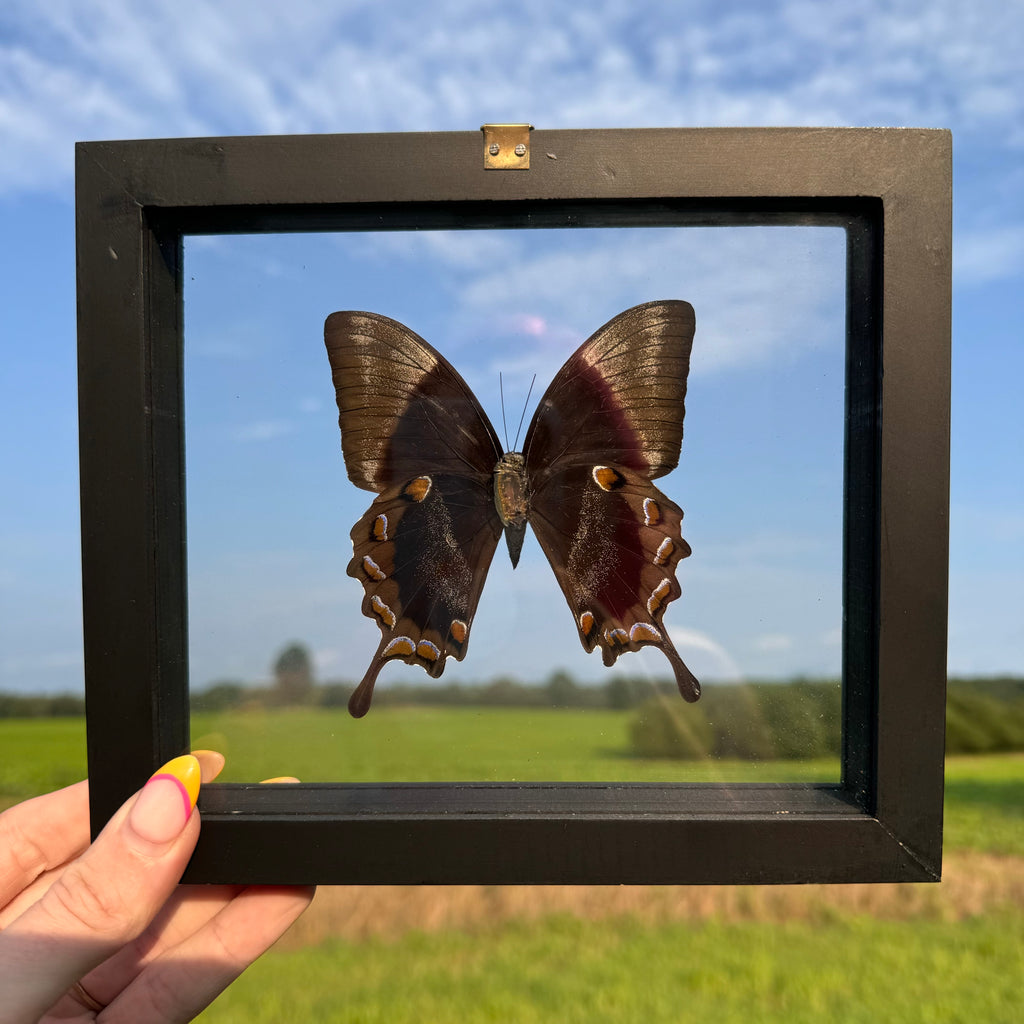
(413, 431)
(403, 409)
(619, 398)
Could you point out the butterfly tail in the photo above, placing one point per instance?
(685, 679)
(359, 702)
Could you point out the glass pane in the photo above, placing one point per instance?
(277, 640)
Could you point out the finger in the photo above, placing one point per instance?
(188, 909)
(104, 898)
(66, 837)
(41, 834)
(187, 978)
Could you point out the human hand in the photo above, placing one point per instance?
(104, 931)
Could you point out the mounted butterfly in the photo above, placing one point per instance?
(611, 422)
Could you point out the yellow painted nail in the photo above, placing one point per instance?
(185, 771)
(164, 806)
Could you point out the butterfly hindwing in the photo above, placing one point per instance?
(613, 540)
(422, 551)
(413, 431)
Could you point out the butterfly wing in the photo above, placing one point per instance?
(611, 421)
(613, 540)
(413, 431)
(402, 406)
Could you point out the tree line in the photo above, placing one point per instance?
(799, 718)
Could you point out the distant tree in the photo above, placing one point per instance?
(505, 691)
(622, 692)
(334, 695)
(218, 696)
(293, 675)
(67, 705)
(561, 690)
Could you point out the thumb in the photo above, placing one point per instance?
(106, 897)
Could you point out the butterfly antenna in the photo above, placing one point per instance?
(504, 425)
(525, 405)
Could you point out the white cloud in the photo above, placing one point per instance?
(760, 293)
(330, 659)
(262, 430)
(122, 69)
(459, 250)
(997, 525)
(221, 347)
(30, 664)
(705, 656)
(984, 255)
(87, 69)
(771, 643)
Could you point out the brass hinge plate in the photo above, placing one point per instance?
(506, 146)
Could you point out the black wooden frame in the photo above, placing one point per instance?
(891, 190)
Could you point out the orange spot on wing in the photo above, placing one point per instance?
(373, 570)
(387, 616)
(664, 552)
(641, 632)
(418, 488)
(459, 631)
(428, 651)
(658, 595)
(607, 479)
(400, 647)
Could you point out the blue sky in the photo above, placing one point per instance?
(269, 505)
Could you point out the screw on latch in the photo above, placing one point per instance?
(507, 146)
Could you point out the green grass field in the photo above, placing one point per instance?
(431, 744)
(619, 971)
(984, 794)
(954, 964)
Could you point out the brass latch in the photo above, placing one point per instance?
(506, 146)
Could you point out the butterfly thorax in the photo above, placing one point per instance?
(511, 497)
(512, 500)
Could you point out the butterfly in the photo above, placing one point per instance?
(413, 432)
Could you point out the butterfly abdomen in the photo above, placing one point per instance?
(512, 500)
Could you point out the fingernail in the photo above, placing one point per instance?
(166, 801)
(278, 778)
(211, 764)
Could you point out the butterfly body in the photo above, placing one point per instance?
(446, 491)
(511, 500)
